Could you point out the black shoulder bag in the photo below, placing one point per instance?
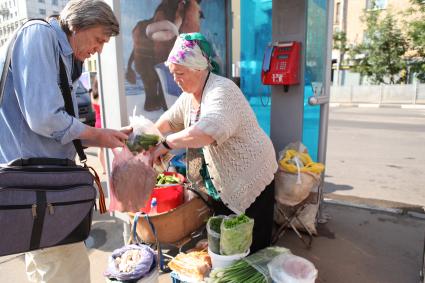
(46, 202)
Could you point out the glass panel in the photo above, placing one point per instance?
(254, 38)
(314, 70)
(148, 84)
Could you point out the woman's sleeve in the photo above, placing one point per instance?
(220, 116)
(175, 114)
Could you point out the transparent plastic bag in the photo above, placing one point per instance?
(236, 239)
(144, 136)
(213, 230)
(132, 181)
(131, 262)
(289, 268)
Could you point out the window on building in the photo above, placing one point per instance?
(377, 4)
(42, 12)
(337, 12)
(40, 1)
(55, 2)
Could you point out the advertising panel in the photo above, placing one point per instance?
(149, 29)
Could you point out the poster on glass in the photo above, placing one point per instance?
(149, 30)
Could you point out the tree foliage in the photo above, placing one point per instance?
(340, 43)
(380, 55)
(416, 32)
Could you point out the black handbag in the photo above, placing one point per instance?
(46, 202)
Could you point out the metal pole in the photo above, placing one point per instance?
(324, 108)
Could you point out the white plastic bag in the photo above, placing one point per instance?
(291, 189)
(144, 134)
(289, 268)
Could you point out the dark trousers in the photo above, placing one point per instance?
(261, 210)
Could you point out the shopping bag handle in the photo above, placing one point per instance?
(136, 238)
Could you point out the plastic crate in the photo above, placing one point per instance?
(177, 278)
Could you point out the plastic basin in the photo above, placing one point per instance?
(220, 261)
(167, 196)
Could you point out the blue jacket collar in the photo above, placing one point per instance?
(62, 38)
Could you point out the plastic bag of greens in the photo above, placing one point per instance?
(253, 268)
(144, 136)
(213, 230)
(236, 234)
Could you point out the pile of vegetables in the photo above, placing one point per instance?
(241, 271)
(141, 142)
(163, 179)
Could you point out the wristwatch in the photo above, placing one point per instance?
(165, 144)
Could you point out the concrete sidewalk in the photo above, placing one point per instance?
(356, 245)
(376, 105)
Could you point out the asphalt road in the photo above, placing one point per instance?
(377, 153)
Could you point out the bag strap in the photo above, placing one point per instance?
(137, 240)
(6, 67)
(69, 107)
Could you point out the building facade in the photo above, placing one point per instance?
(347, 19)
(15, 12)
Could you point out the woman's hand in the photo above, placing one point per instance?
(157, 152)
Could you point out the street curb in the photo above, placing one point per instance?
(413, 211)
(364, 206)
(369, 105)
(413, 106)
(377, 105)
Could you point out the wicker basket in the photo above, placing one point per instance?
(176, 224)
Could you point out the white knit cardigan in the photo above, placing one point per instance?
(242, 160)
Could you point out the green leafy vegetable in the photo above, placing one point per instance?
(233, 222)
(215, 223)
(213, 228)
(240, 271)
(236, 234)
(163, 179)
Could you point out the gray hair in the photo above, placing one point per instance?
(84, 14)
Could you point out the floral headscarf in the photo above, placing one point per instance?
(192, 50)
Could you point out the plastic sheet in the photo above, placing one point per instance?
(289, 268)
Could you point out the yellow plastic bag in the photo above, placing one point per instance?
(294, 161)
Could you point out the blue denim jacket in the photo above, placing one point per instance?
(33, 120)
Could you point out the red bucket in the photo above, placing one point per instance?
(167, 196)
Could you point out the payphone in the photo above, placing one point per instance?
(281, 64)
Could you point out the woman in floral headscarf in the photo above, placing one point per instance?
(229, 155)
